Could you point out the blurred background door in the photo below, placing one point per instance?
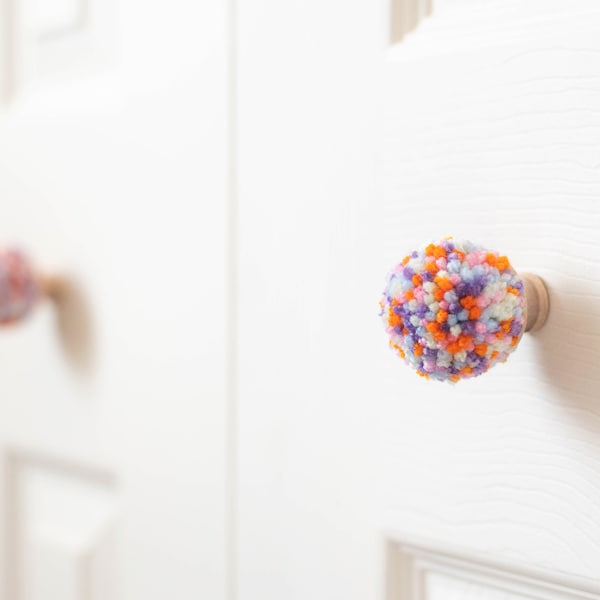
(366, 129)
(113, 127)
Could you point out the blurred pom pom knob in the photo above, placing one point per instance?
(453, 309)
(21, 287)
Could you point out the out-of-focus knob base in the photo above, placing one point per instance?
(51, 286)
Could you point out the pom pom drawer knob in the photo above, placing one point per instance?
(452, 309)
(21, 287)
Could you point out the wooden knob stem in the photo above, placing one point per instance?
(51, 286)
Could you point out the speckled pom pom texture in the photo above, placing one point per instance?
(453, 309)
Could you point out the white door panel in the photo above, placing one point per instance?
(482, 123)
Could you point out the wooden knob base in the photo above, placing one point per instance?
(52, 286)
(538, 302)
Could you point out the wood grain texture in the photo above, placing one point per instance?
(508, 158)
(364, 153)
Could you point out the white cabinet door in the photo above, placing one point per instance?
(112, 426)
(356, 478)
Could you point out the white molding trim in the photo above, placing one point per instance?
(410, 564)
(464, 26)
(405, 16)
(64, 61)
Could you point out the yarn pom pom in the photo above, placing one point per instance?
(453, 309)
(18, 287)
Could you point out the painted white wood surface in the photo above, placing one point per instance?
(447, 574)
(113, 159)
(483, 124)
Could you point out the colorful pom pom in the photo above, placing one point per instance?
(19, 290)
(453, 309)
